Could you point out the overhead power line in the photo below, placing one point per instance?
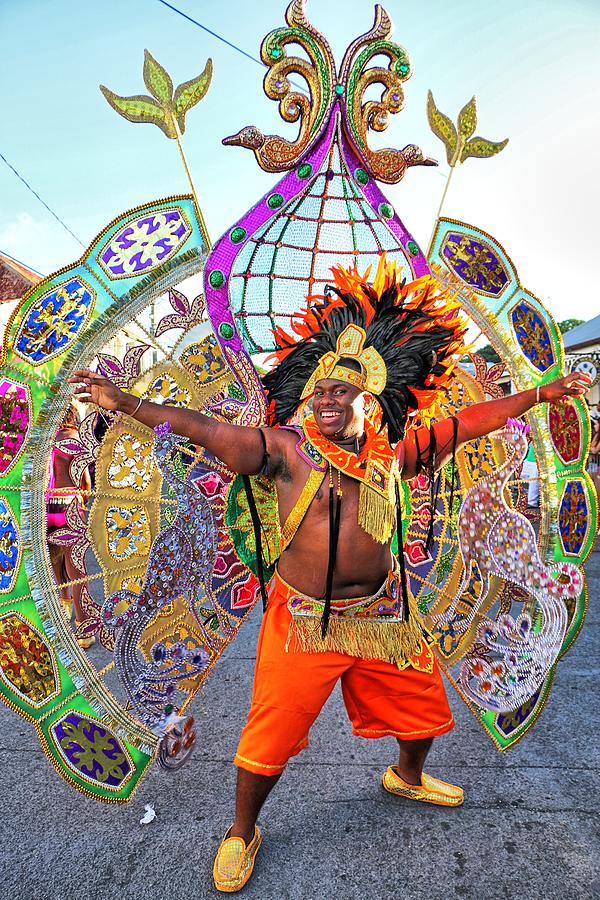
(219, 37)
(224, 40)
(20, 262)
(205, 28)
(179, 12)
(43, 202)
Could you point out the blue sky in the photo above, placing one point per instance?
(531, 63)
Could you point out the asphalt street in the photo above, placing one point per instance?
(529, 828)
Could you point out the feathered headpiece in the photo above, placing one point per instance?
(404, 336)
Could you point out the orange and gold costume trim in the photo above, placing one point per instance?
(367, 627)
(291, 687)
(375, 467)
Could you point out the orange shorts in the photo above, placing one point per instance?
(291, 687)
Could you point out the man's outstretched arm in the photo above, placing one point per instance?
(482, 418)
(239, 448)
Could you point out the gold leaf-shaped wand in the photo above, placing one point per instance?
(166, 108)
(458, 139)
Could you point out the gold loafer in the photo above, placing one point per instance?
(234, 861)
(431, 790)
(84, 642)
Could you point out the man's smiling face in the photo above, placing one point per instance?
(338, 409)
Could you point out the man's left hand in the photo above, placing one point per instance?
(576, 384)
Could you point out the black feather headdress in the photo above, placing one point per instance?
(413, 327)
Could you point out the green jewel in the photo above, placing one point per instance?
(235, 392)
(361, 176)
(226, 330)
(413, 248)
(275, 201)
(216, 279)
(386, 210)
(237, 235)
(404, 68)
(169, 708)
(305, 170)
(339, 89)
(275, 52)
(422, 607)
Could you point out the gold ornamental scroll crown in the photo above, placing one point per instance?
(351, 345)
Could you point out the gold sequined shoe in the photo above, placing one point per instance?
(85, 642)
(234, 862)
(431, 790)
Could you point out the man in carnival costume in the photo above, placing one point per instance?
(363, 358)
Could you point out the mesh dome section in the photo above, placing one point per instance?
(290, 256)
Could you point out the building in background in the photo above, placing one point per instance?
(582, 352)
(15, 281)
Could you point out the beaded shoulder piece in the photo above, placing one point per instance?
(306, 449)
(374, 466)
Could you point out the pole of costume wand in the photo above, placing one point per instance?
(199, 213)
(439, 212)
(166, 108)
(447, 185)
(459, 143)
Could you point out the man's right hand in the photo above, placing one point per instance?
(94, 388)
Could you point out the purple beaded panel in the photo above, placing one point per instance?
(144, 243)
(91, 751)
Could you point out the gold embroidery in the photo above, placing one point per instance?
(375, 468)
(296, 516)
(402, 734)
(351, 344)
(395, 642)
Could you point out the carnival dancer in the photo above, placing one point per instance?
(61, 493)
(369, 354)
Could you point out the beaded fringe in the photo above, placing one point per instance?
(394, 642)
(376, 514)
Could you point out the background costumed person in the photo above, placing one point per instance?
(61, 493)
(351, 618)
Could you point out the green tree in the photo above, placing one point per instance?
(567, 324)
(488, 353)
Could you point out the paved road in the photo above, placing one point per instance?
(528, 829)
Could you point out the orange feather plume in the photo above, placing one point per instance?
(425, 294)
